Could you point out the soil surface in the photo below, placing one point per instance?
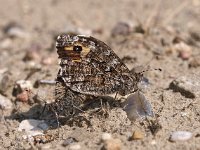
(151, 34)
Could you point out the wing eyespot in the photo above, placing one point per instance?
(77, 48)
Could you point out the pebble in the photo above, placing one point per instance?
(69, 141)
(15, 30)
(32, 124)
(4, 81)
(106, 136)
(5, 103)
(48, 61)
(137, 107)
(32, 127)
(50, 82)
(187, 85)
(153, 142)
(180, 136)
(23, 85)
(137, 135)
(185, 55)
(32, 65)
(112, 144)
(23, 96)
(121, 28)
(179, 47)
(184, 50)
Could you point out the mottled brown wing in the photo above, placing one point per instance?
(89, 66)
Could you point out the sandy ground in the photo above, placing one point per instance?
(160, 34)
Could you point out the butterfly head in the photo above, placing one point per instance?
(72, 47)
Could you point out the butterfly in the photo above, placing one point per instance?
(89, 67)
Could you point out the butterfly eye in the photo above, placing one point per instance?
(77, 48)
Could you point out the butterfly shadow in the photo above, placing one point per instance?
(33, 113)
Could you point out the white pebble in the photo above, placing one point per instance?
(5, 103)
(32, 124)
(24, 85)
(18, 32)
(153, 142)
(106, 136)
(180, 136)
(32, 127)
(183, 114)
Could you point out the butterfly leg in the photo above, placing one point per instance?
(44, 108)
(104, 108)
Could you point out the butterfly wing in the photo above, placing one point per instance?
(89, 66)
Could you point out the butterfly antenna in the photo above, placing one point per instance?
(150, 69)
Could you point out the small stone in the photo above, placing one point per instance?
(4, 81)
(183, 114)
(74, 147)
(137, 135)
(32, 128)
(32, 65)
(121, 28)
(153, 142)
(48, 61)
(50, 82)
(184, 50)
(5, 103)
(185, 55)
(15, 30)
(22, 85)
(180, 136)
(69, 141)
(137, 107)
(112, 144)
(188, 85)
(23, 96)
(32, 124)
(106, 136)
(22, 90)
